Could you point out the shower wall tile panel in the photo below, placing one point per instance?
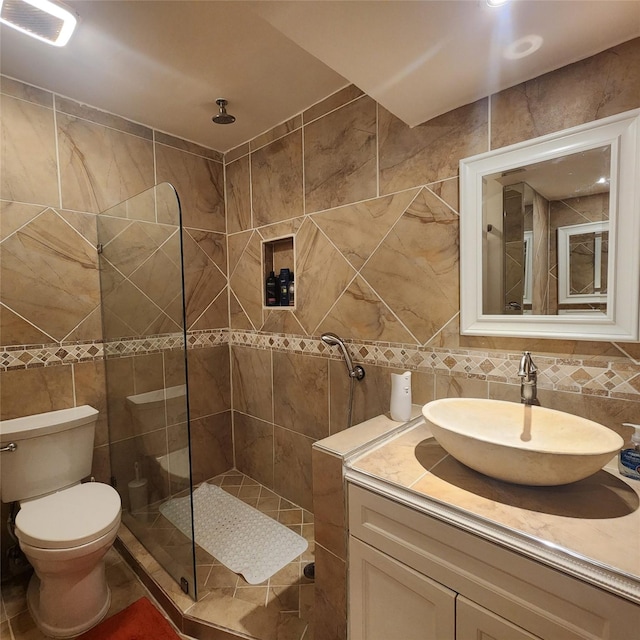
(292, 466)
(575, 375)
(247, 272)
(276, 179)
(301, 394)
(323, 275)
(211, 445)
(99, 166)
(26, 391)
(49, 307)
(28, 155)
(597, 87)
(254, 445)
(334, 101)
(17, 89)
(340, 156)
(252, 382)
(199, 183)
(85, 112)
(279, 131)
(209, 381)
(57, 267)
(238, 195)
(361, 313)
(185, 145)
(357, 229)
(203, 279)
(380, 266)
(431, 151)
(16, 330)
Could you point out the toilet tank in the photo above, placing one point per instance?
(54, 450)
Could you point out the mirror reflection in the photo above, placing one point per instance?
(545, 240)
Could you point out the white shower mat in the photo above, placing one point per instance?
(237, 535)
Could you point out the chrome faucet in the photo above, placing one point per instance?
(528, 373)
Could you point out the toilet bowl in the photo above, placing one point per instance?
(63, 527)
(65, 536)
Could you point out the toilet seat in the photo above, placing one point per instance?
(69, 518)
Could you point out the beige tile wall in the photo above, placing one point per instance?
(373, 206)
(63, 163)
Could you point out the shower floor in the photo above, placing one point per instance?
(279, 609)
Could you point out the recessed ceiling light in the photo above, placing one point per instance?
(523, 47)
(44, 20)
(496, 3)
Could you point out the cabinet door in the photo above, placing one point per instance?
(389, 600)
(474, 622)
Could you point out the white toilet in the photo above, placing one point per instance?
(64, 528)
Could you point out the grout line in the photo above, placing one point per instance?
(57, 143)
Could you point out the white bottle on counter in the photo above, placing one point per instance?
(401, 396)
(629, 460)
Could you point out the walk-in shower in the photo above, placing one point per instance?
(204, 522)
(144, 334)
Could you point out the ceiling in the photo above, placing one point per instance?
(165, 63)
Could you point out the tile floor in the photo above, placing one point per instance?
(16, 622)
(279, 609)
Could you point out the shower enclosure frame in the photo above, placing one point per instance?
(134, 238)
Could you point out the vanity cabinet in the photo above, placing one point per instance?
(415, 577)
(391, 600)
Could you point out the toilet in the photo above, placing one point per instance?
(64, 527)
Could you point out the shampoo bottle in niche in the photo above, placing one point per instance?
(271, 290)
(292, 290)
(283, 281)
(401, 396)
(629, 460)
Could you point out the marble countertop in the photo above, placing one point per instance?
(590, 529)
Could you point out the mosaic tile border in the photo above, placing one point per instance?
(607, 379)
(47, 355)
(619, 380)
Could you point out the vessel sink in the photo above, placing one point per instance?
(519, 443)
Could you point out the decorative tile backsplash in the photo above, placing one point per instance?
(606, 379)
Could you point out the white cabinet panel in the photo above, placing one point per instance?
(547, 603)
(474, 622)
(389, 600)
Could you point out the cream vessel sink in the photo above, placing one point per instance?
(520, 443)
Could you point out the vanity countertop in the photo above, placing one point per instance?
(590, 529)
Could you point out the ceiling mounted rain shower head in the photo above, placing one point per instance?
(47, 21)
(223, 117)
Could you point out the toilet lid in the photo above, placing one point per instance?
(69, 518)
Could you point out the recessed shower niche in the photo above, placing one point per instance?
(278, 271)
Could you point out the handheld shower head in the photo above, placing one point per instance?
(331, 339)
(334, 341)
(223, 117)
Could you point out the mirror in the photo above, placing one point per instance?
(550, 235)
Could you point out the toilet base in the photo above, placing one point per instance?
(68, 613)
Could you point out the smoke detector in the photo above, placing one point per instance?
(47, 21)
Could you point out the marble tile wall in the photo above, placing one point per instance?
(62, 164)
(373, 208)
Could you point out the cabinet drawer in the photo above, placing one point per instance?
(547, 603)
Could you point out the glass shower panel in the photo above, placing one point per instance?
(143, 321)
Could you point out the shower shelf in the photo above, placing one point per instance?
(277, 254)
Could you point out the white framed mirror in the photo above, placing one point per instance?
(550, 235)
